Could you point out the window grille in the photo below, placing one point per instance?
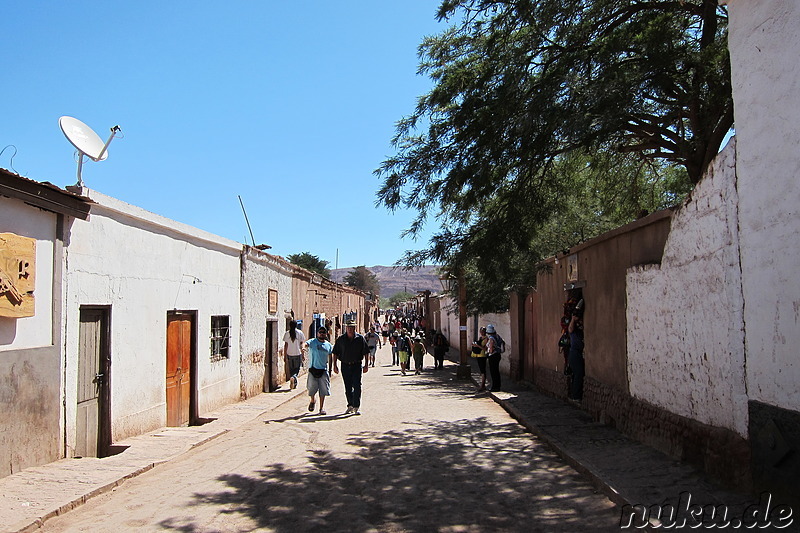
(220, 337)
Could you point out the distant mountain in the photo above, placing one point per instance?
(394, 280)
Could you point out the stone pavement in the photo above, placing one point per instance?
(626, 471)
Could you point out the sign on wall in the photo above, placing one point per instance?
(272, 301)
(17, 269)
(572, 267)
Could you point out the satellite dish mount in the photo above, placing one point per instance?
(86, 141)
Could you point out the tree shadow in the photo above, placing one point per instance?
(467, 475)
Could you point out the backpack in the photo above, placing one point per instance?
(499, 343)
(405, 346)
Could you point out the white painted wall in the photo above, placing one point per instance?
(261, 272)
(144, 265)
(450, 325)
(764, 40)
(685, 327)
(21, 219)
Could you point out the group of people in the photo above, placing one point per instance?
(411, 323)
(356, 354)
(404, 347)
(351, 350)
(488, 348)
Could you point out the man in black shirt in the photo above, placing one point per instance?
(351, 349)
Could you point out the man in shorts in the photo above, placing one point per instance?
(374, 342)
(319, 380)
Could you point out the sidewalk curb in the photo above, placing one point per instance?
(29, 525)
(596, 479)
(583, 469)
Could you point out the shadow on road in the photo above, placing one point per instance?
(467, 475)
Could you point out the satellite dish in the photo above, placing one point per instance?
(87, 142)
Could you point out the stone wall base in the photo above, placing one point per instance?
(720, 452)
(775, 437)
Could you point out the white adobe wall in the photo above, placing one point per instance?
(144, 265)
(501, 321)
(764, 40)
(685, 327)
(21, 219)
(259, 274)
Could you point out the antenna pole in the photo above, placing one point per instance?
(80, 168)
(246, 220)
(114, 131)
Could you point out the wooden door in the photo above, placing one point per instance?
(180, 327)
(269, 355)
(93, 428)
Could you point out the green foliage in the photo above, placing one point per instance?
(399, 298)
(552, 121)
(362, 279)
(310, 262)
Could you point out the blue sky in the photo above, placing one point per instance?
(291, 105)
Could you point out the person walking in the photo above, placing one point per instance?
(319, 380)
(493, 354)
(440, 348)
(374, 342)
(394, 341)
(418, 351)
(351, 348)
(479, 353)
(293, 350)
(403, 345)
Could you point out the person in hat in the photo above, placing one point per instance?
(403, 344)
(418, 351)
(319, 381)
(351, 349)
(493, 354)
(395, 349)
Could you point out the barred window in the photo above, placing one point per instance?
(220, 337)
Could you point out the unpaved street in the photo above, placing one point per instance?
(426, 454)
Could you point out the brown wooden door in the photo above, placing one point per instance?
(179, 361)
(93, 432)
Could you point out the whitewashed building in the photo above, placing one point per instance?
(34, 223)
(266, 306)
(152, 321)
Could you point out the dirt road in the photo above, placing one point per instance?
(426, 454)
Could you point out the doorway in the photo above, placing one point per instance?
(181, 368)
(93, 424)
(269, 354)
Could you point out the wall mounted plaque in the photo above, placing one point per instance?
(17, 272)
(272, 301)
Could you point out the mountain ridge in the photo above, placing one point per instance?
(394, 279)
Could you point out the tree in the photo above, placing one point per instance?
(541, 108)
(310, 262)
(362, 279)
(400, 297)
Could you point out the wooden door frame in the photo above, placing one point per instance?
(104, 398)
(194, 417)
